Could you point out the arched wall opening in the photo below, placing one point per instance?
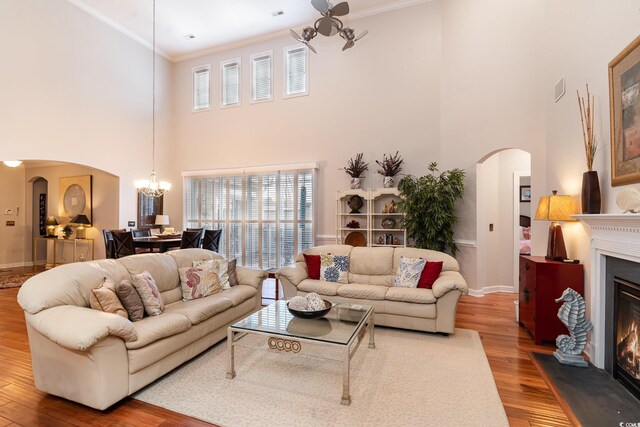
(500, 176)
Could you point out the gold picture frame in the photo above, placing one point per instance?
(75, 196)
(624, 104)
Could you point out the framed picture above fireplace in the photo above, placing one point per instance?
(624, 102)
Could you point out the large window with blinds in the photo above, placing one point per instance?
(296, 71)
(267, 216)
(230, 82)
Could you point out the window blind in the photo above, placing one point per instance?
(296, 71)
(261, 73)
(231, 83)
(201, 93)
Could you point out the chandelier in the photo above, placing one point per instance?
(329, 25)
(151, 187)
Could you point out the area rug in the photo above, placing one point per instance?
(14, 280)
(409, 379)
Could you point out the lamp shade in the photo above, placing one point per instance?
(556, 208)
(162, 219)
(51, 221)
(80, 219)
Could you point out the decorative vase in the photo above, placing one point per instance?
(387, 182)
(356, 182)
(590, 193)
(66, 236)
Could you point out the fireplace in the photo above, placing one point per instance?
(626, 334)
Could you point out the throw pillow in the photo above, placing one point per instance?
(198, 282)
(149, 293)
(104, 298)
(334, 268)
(130, 300)
(429, 274)
(219, 267)
(408, 273)
(233, 274)
(313, 266)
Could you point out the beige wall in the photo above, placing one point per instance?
(12, 196)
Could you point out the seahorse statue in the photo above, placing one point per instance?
(571, 313)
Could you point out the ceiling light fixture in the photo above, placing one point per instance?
(329, 25)
(12, 163)
(277, 13)
(189, 37)
(152, 187)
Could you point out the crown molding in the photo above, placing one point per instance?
(100, 17)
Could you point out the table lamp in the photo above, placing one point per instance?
(82, 220)
(556, 208)
(162, 220)
(51, 224)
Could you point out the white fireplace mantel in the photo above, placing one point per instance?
(615, 235)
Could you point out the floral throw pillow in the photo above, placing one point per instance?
(198, 282)
(334, 268)
(149, 293)
(409, 272)
(219, 267)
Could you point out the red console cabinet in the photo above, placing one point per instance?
(541, 281)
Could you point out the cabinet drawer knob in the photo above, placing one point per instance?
(526, 265)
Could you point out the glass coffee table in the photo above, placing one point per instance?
(336, 336)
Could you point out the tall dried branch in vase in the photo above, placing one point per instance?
(586, 118)
(356, 167)
(391, 165)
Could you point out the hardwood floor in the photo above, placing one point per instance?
(527, 399)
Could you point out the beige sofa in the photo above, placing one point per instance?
(97, 358)
(371, 272)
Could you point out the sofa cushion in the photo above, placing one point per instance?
(430, 273)
(415, 295)
(374, 261)
(334, 268)
(153, 328)
(198, 310)
(104, 298)
(356, 290)
(149, 294)
(130, 300)
(239, 293)
(233, 274)
(185, 257)
(313, 266)
(449, 263)
(198, 282)
(162, 266)
(319, 287)
(409, 309)
(409, 272)
(325, 249)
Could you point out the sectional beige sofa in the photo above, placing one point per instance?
(371, 272)
(97, 358)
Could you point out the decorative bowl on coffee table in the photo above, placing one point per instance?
(312, 314)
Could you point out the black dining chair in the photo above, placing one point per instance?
(191, 239)
(109, 248)
(123, 243)
(211, 240)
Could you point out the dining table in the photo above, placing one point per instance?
(153, 242)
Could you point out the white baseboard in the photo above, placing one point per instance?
(490, 290)
(16, 264)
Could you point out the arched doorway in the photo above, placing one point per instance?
(500, 176)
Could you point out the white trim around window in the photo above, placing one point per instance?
(201, 85)
(230, 83)
(261, 77)
(296, 62)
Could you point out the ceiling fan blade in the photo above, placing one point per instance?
(325, 26)
(340, 9)
(311, 48)
(348, 45)
(295, 35)
(364, 33)
(321, 6)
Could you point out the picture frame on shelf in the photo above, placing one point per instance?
(624, 104)
(525, 194)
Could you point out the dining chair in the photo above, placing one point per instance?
(123, 243)
(109, 249)
(191, 238)
(211, 240)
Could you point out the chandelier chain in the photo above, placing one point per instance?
(153, 120)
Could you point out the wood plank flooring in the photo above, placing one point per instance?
(526, 397)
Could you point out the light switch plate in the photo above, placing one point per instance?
(131, 224)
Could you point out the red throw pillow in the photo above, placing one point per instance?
(430, 273)
(313, 266)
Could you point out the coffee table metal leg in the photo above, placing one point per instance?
(231, 373)
(346, 363)
(372, 343)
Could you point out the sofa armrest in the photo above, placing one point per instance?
(448, 281)
(294, 274)
(78, 328)
(250, 276)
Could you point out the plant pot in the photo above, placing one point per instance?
(356, 183)
(387, 182)
(591, 203)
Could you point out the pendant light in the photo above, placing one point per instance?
(152, 187)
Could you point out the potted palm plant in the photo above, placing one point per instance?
(355, 168)
(429, 206)
(390, 167)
